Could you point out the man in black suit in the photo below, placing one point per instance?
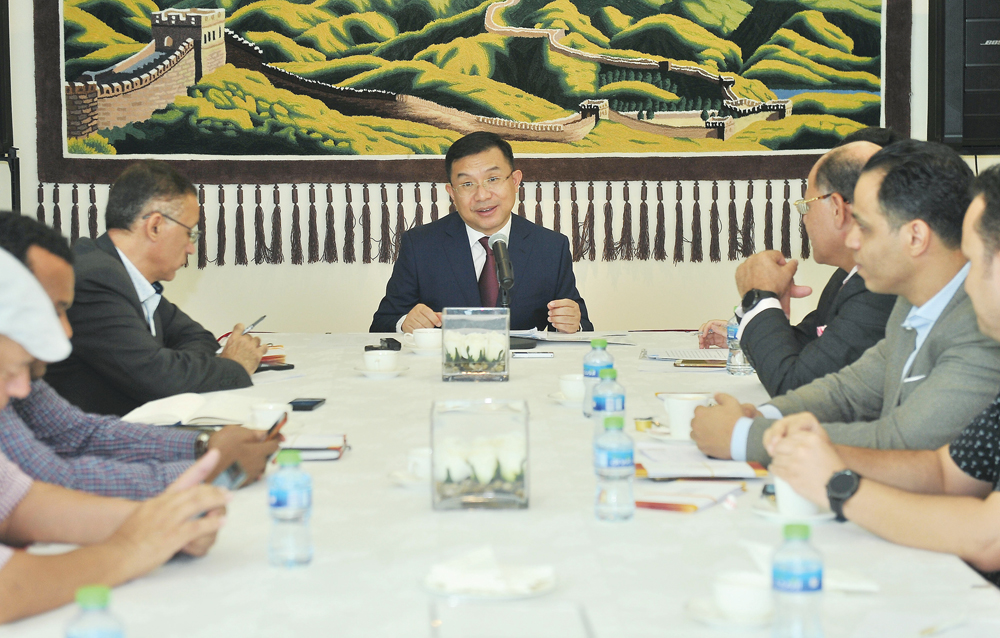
(131, 345)
(448, 263)
(849, 318)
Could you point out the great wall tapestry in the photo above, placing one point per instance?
(644, 81)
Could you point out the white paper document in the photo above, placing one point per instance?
(674, 354)
(683, 459)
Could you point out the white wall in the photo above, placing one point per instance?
(342, 297)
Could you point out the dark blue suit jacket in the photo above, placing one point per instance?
(435, 268)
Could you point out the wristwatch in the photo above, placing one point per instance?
(841, 487)
(201, 443)
(753, 297)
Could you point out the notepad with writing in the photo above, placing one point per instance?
(316, 447)
(683, 495)
(682, 459)
(192, 409)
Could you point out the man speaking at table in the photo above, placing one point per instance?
(934, 371)
(849, 318)
(131, 345)
(450, 262)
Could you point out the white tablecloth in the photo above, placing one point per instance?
(375, 541)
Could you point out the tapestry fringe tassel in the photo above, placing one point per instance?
(224, 239)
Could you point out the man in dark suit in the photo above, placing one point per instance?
(449, 262)
(131, 345)
(849, 318)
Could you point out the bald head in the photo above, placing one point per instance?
(838, 170)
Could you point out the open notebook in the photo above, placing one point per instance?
(683, 459)
(192, 409)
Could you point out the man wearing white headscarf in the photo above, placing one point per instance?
(120, 539)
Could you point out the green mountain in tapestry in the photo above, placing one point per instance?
(390, 77)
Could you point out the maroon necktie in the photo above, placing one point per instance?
(489, 287)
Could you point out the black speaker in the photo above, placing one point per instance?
(964, 74)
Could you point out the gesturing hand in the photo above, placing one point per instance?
(247, 446)
(421, 316)
(564, 315)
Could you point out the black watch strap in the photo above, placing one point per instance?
(753, 297)
(841, 487)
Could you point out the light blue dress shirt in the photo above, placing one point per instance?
(921, 319)
(149, 295)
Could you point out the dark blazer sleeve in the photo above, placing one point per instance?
(567, 284)
(787, 357)
(402, 292)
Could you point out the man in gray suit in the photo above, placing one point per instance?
(944, 500)
(131, 345)
(934, 371)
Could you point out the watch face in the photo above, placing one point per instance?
(844, 484)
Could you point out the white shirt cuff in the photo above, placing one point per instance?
(399, 324)
(762, 305)
(738, 442)
(770, 412)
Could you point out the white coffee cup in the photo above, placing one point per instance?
(742, 594)
(423, 338)
(680, 408)
(264, 415)
(418, 462)
(790, 502)
(572, 386)
(382, 360)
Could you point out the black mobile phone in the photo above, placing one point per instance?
(231, 478)
(305, 405)
(264, 367)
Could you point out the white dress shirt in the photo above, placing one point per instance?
(149, 297)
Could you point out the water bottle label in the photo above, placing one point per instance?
(787, 580)
(731, 331)
(609, 403)
(614, 458)
(592, 370)
(291, 499)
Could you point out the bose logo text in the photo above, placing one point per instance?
(991, 43)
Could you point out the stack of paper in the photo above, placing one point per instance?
(683, 459)
(675, 354)
(316, 447)
(683, 495)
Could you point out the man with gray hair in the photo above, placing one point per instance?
(848, 319)
(120, 539)
(131, 345)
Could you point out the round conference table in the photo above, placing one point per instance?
(375, 541)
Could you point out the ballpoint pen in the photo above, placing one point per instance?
(245, 330)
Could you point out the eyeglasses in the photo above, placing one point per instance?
(803, 204)
(490, 185)
(193, 233)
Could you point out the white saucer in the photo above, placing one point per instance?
(541, 591)
(425, 352)
(381, 374)
(768, 510)
(704, 610)
(561, 399)
(402, 478)
(662, 435)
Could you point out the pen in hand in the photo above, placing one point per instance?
(245, 331)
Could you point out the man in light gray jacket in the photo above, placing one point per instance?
(934, 371)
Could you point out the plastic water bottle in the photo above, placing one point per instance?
(798, 586)
(608, 400)
(290, 499)
(736, 362)
(615, 466)
(593, 362)
(94, 619)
